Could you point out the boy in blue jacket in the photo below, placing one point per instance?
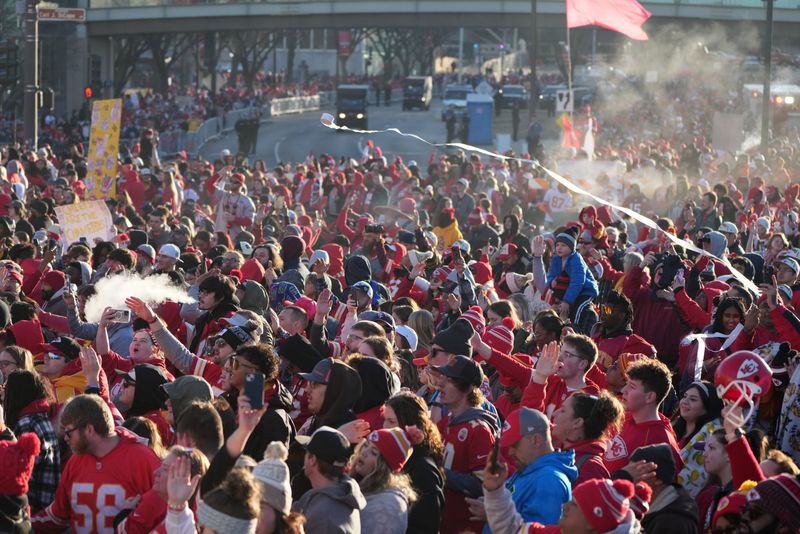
(572, 283)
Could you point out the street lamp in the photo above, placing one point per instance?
(766, 108)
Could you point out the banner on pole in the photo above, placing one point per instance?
(101, 172)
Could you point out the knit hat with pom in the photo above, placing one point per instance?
(396, 444)
(474, 315)
(273, 473)
(604, 503)
(17, 458)
(501, 337)
(516, 282)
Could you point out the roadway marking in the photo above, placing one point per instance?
(277, 146)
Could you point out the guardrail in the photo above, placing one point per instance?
(173, 141)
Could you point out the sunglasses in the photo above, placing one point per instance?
(606, 309)
(236, 363)
(54, 356)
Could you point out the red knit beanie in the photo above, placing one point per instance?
(17, 458)
(604, 503)
(476, 217)
(396, 444)
(501, 337)
(474, 315)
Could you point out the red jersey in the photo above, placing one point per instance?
(92, 490)
(634, 435)
(467, 443)
(548, 397)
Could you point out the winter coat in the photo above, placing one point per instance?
(482, 235)
(334, 509)
(581, 280)
(539, 489)
(426, 477)
(672, 512)
(275, 424)
(449, 234)
(386, 512)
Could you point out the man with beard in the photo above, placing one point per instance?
(51, 288)
(107, 467)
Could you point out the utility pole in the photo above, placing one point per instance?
(533, 94)
(766, 104)
(31, 80)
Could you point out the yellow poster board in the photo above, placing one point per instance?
(101, 173)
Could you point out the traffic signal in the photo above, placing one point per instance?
(88, 92)
(8, 63)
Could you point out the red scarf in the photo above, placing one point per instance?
(37, 406)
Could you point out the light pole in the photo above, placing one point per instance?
(533, 94)
(766, 106)
(31, 80)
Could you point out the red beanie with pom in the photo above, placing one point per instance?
(17, 458)
(604, 503)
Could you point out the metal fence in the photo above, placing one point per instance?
(177, 140)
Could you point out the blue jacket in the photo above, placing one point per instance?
(581, 280)
(539, 490)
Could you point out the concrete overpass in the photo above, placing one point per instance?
(121, 17)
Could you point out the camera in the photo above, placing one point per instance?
(374, 229)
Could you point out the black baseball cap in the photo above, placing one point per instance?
(463, 369)
(328, 444)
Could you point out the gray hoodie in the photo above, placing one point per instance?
(386, 512)
(334, 509)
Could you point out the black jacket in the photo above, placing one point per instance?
(426, 514)
(220, 310)
(275, 425)
(677, 517)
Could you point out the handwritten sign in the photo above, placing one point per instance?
(101, 173)
(90, 219)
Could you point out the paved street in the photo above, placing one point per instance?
(290, 137)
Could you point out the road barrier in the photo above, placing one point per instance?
(177, 140)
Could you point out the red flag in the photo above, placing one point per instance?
(623, 16)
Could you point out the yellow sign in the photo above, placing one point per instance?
(101, 173)
(90, 219)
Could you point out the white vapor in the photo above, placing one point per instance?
(112, 292)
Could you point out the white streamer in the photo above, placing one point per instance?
(328, 121)
(701, 346)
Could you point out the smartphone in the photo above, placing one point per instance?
(494, 457)
(72, 289)
(254, 389)
(121, 316)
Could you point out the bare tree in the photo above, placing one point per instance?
(166, 49)
(129, 50)
(357, 36)
(251, 49)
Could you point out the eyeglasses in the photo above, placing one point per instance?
(128, 384)
(355, 337)
(219, 342)
(566, 354)
(606, 309)
(68, 433)
(236, 363)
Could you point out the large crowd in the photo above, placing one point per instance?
(387, 346)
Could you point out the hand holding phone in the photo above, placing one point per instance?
(254, 389)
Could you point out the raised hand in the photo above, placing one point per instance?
(90, 365)
(538, 245)
(548, 364)
(324, 303)
(355, 430)
(141, 309)
(180, 484)
(249, 417)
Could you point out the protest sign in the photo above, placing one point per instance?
(90, 219)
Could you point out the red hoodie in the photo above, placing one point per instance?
(547, 398)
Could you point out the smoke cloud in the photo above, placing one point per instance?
(112, 292)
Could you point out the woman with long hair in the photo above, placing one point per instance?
(377, 466)
(424, 467)
(422, 322)
(584, 423)
(698, 416)
(27, 409)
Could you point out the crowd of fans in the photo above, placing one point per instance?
(379, 345)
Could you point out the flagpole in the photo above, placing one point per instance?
(569, 73)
